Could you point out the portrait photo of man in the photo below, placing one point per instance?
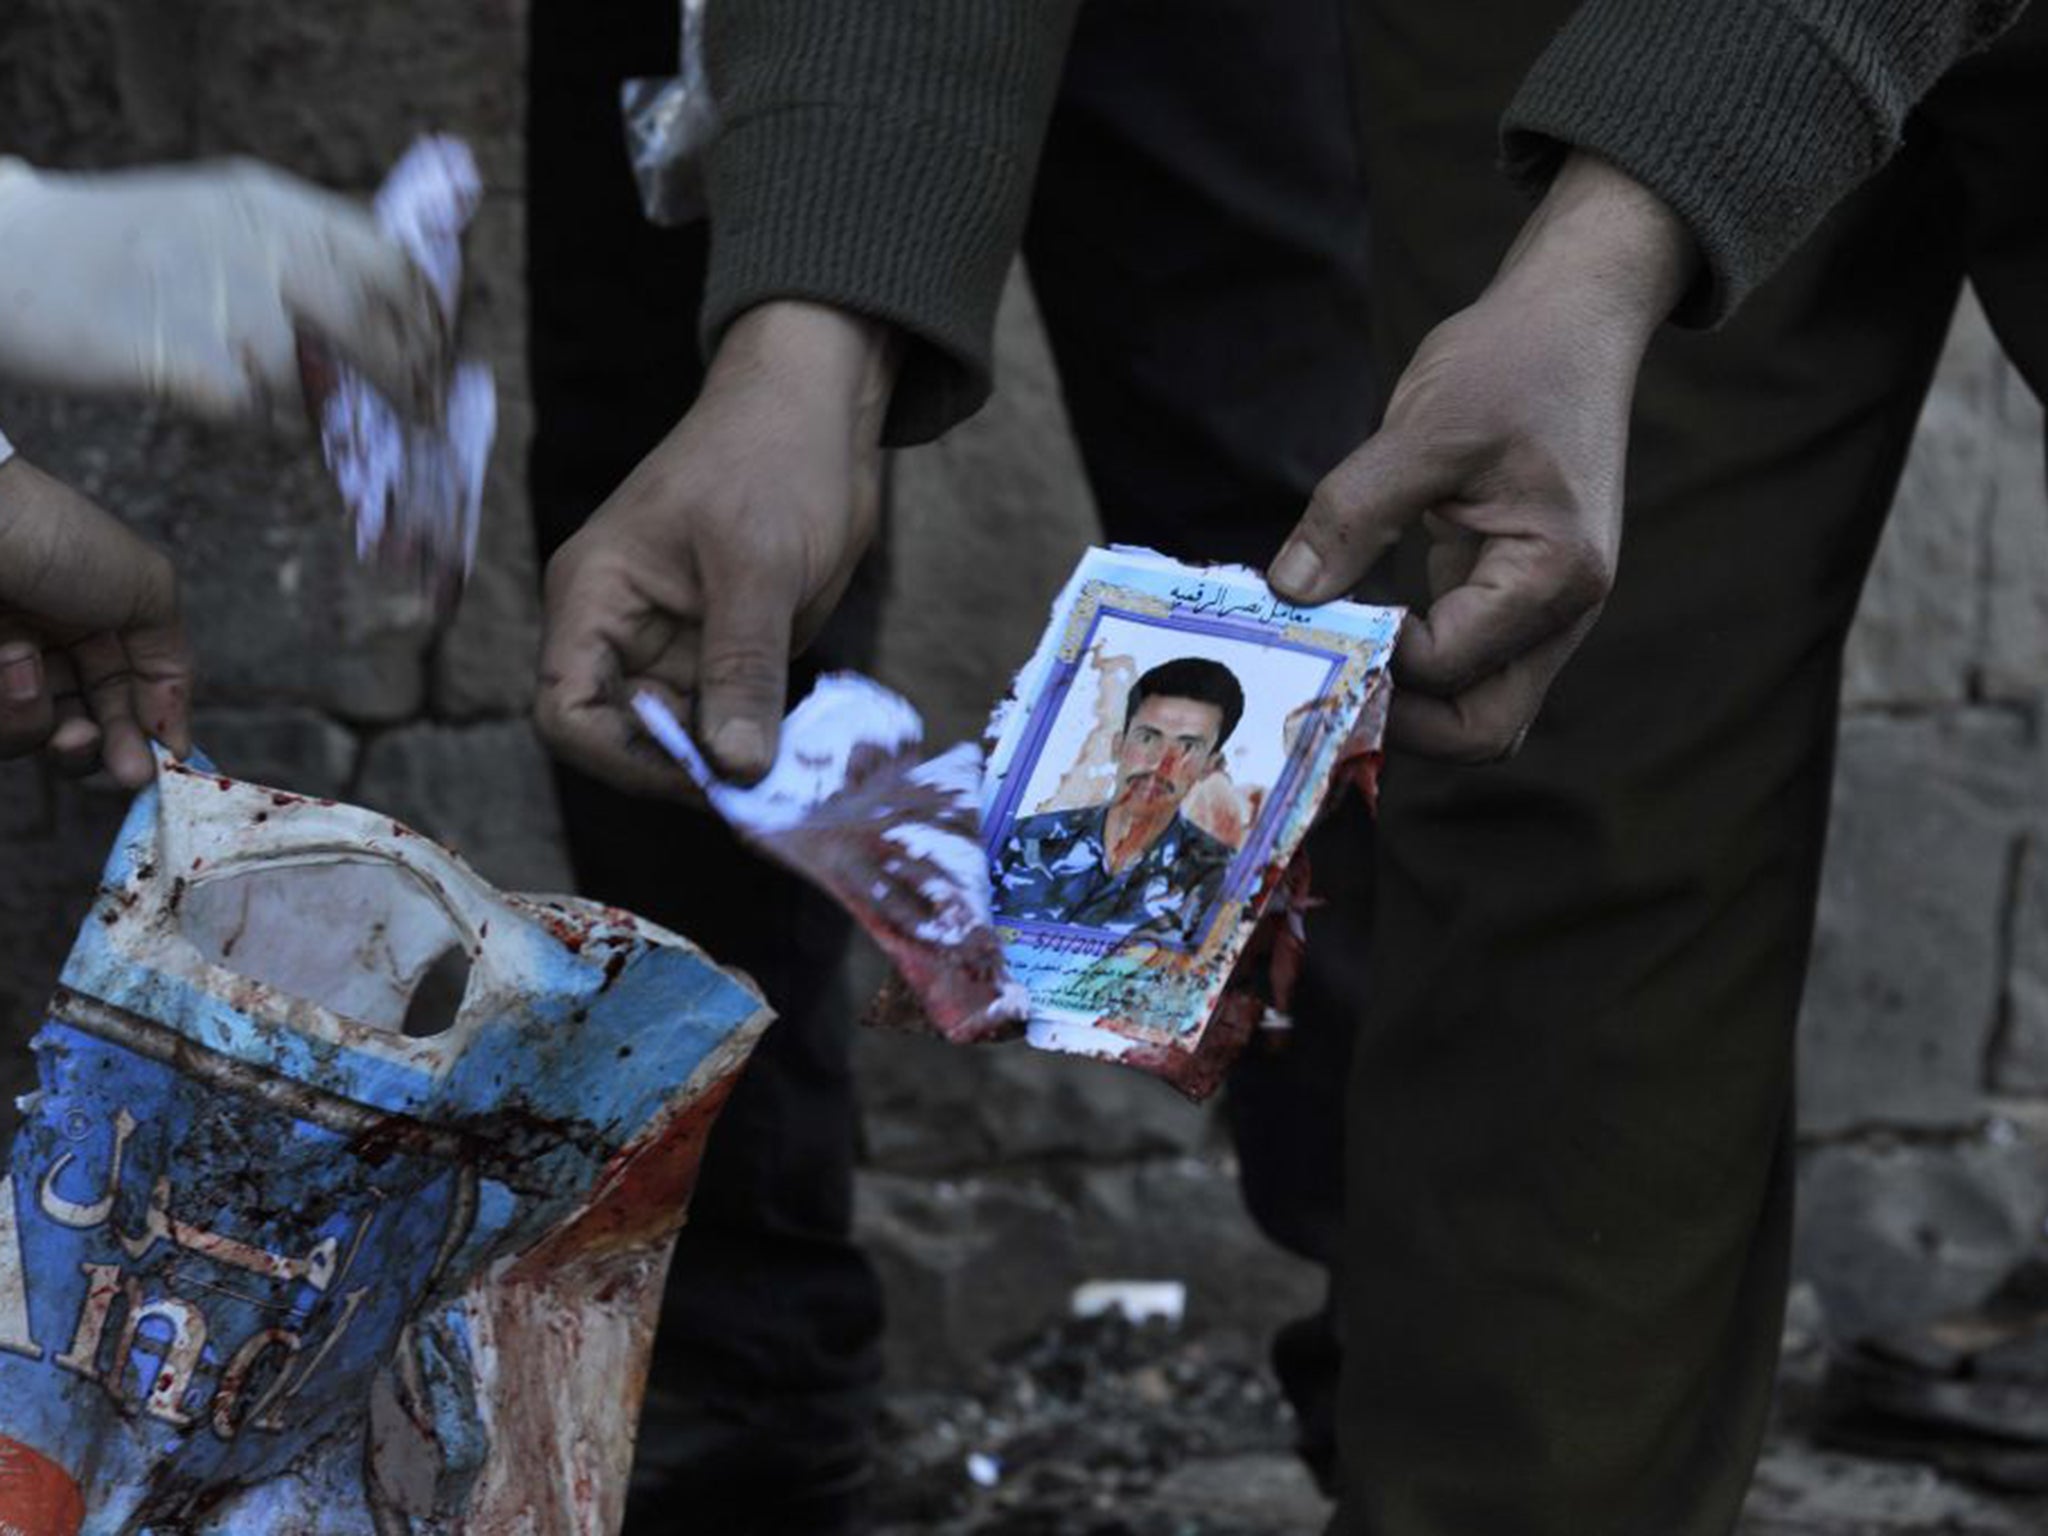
(1135, 864)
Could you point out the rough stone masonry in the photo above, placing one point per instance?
(1925, 1051)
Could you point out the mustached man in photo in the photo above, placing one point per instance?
(1135, 864)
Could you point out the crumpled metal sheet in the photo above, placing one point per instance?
(415, 492)
(270, 1263)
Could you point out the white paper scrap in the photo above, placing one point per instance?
(415, 492)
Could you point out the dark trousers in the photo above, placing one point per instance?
(1570, 1114)
(767, 1358)
(1198, 248)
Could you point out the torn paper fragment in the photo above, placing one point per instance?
(830, 739)
(1150, 782)
(415, 492)
(851, 805)
(1126, 880)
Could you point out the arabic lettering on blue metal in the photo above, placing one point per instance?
(234, 1216)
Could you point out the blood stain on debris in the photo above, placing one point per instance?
(394, 1136)
(642, 1193)
(567, 930)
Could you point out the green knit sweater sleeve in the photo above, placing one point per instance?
(878, 155)
(1751, 118)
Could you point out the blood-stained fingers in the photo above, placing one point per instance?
(26, 710)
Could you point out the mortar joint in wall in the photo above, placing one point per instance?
(2005, 950)
(1883, 1135)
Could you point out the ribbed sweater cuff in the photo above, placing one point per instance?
(1734, 113)
(889, 217)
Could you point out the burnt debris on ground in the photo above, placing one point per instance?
(1092, 1428)
(1100, 1427)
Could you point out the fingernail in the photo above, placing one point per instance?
(740, 746)
(1298, 569)
(21, 672)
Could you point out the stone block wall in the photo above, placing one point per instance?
(1924, 1104)
(313, 674)
(995, 1180)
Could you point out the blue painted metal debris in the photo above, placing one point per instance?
(274, 1258)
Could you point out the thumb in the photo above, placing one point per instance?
(1358, 512)
(744, 673)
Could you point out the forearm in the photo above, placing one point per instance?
(840, 366)
(878, 157)
(1605, 253)
(1749, 118)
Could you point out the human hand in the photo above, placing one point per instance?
(1507, 435)
(722, 553)
(93, 660)
(196, 285)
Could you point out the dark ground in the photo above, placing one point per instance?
(1100, 1428)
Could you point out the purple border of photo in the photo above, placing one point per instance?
(1052, 698)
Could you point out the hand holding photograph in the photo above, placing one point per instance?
(1122, 879)
(1150, 779)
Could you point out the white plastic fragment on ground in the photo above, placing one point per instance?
(1135, 1301)
(853, 806)
(283, 1249)
(415, 492)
